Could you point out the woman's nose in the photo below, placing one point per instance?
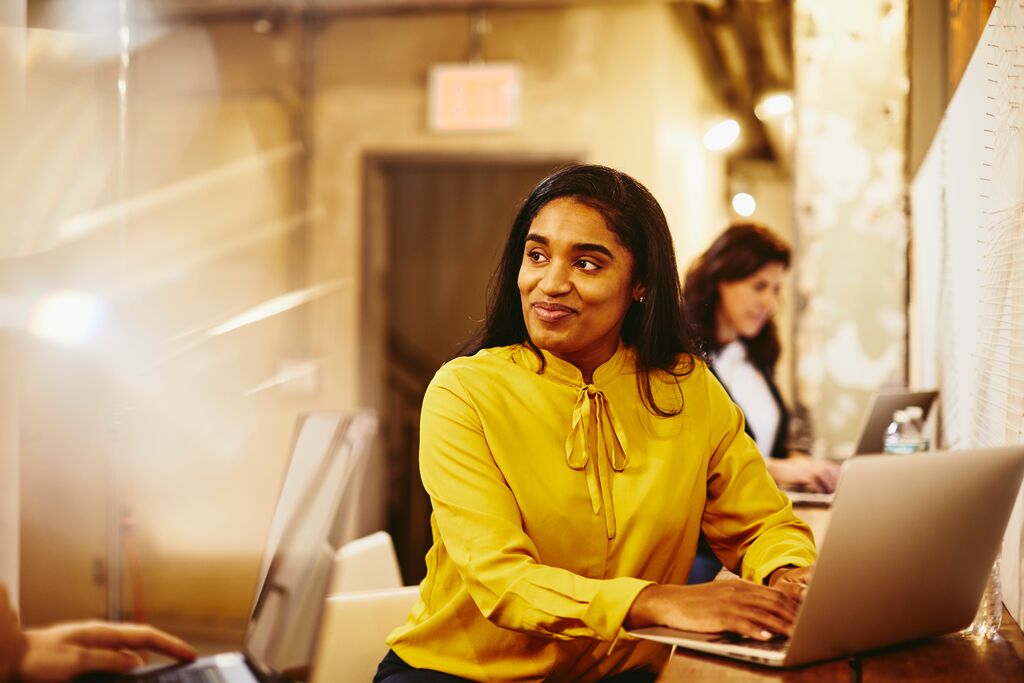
(555, 280)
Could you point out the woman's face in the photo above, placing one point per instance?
(744, 306)
(575, 284)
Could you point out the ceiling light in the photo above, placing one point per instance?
(774, 106)
(744, 204)
(722, 135)
(68, 318)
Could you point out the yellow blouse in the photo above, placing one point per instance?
(556, 502)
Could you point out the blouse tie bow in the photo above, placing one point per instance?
(594, 426)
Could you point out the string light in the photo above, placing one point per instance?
(722, 135)
(744, 204)
(774, 106)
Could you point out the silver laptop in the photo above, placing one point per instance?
(910, 545)
(880, 411)
(871, 439)
(311, 520)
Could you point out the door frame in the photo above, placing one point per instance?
(374, 313)
(375, 226)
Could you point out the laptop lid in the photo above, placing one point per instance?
(314, 435)
(908, 551)
(880, 411)
(310, 521)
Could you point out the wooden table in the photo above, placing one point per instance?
(949, 659)
(952, 658)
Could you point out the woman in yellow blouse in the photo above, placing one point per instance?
(574, 459)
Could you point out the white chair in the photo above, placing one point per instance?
(367, 600)
(367, 563)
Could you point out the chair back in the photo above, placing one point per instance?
(366, 603)
(367, 563)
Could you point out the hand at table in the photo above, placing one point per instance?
(65, 651)
(805, 473)
(736, 606)
(11, 641)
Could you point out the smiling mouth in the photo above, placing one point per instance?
(552, 313)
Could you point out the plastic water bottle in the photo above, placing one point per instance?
(903, 436)
(916, 415)
(990, 612)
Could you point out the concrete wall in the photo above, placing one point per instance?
(850, 209)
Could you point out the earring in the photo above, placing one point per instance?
(641, 299)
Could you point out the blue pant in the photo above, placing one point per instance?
(393, 669)
(705, 565)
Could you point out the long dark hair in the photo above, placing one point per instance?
(654, 328)
(739, 252)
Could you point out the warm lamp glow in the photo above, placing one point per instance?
(68, 318)
(722, 135)
(744, 204)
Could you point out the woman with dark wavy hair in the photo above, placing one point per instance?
(574, 457)
(730, 298)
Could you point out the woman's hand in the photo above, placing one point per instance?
(793, 581)
(11, 641)
(65, 651)
(736, 606)
(805, 473)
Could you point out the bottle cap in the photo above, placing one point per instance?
(900, 416)
(914, 412)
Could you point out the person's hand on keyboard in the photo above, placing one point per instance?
(793, 581)
(801, 472)
(736, 606)
(65, 651)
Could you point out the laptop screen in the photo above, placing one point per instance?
(880, 413)
(308, 526)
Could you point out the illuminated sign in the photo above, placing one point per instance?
(473, 97)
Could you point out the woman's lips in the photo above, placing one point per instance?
(552, 313)
(754, 325)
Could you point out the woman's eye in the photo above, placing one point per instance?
(535, 256)
(586, 264)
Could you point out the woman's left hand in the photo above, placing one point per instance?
(792, 581)
(812, 474)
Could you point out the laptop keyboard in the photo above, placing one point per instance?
(774, 645)
(769, 645)
(203, 674)
(175, 675)
(178, 674)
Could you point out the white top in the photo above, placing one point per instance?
(750, 391)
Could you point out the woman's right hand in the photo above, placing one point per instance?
(737, 606)
(65, 651)
(804, 473)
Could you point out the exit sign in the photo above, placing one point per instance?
(473, 97)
